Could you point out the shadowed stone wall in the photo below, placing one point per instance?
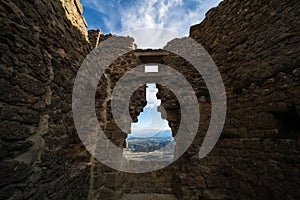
(41, 155)
(256, 48)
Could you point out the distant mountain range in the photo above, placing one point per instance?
(163, 135)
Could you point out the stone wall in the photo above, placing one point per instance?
(107, 183)
(111, 184)
(96, 37)
(41, 50)
(256, 48)
(74, 10)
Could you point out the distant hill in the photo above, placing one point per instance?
(162, 142)
(163, 135)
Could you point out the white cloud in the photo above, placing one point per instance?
(169, 14)
(152, 101)
(152, 38)
(177, 15)
(125, 17)
(150, 125)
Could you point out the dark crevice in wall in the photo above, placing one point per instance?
(288, 124)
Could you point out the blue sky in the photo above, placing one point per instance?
(116, 16)
(150, 121)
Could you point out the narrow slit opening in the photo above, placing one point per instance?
(151, 137)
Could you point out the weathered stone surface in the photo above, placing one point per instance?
(13, 131)
(149, 197)
(40, 47)
(256, 48)
(13, 172)
(74, 12)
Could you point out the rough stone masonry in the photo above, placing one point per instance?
(256, 47)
